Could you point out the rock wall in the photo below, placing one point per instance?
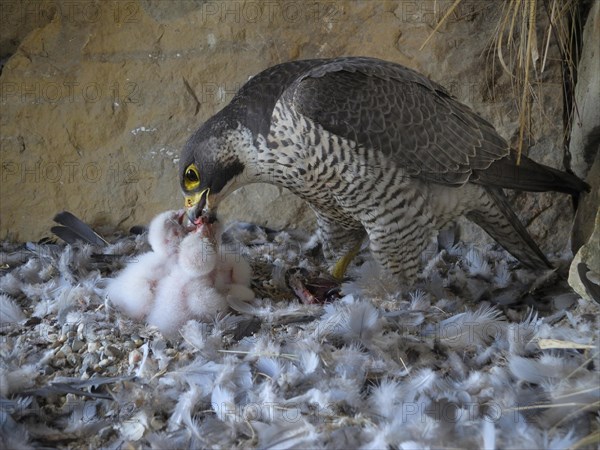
(98, 100)
(585, 134)
(585, 148)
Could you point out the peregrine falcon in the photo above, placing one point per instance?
(377, 150)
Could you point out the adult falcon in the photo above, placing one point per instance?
(377, 150)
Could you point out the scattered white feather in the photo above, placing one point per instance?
(532, 371)
(184, 410)
(9, 310)
(362, 322)
(502, 277)
(270, 367)
(419, 300)
(577, 388)
(285, 434)
(254, 309)
(17, 379)
(302, 375)
(384, 398)
(477, 264)
(520, 336)
(13, 434)
(471, 328)
(10, 284)
(309, 361)
(353, 321)
(223, 404)
(418, 384)
(195, 334)
(560, 442)
(29, 273)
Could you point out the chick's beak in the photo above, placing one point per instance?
(198, 206)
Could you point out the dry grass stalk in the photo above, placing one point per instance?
(517, 50)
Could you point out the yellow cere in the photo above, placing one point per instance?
(193, 199)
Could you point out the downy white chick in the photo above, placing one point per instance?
(198, 286)
(133, 290)
(186, 276)
(188, 292)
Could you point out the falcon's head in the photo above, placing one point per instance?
(213, 164)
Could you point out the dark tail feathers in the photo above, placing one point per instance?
(529, 176)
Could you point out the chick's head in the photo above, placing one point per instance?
(167, 232)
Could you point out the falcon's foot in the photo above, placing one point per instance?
(341, 266)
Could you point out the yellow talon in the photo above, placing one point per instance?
(340, 267)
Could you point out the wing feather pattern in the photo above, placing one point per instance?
(394, 110)
(401, 113)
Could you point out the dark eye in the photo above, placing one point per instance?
(191, 178)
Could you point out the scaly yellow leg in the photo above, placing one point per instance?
(340, 267)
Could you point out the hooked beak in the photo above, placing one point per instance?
(197, 206)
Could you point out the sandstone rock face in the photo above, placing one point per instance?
(19, 18)
(98, 100)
